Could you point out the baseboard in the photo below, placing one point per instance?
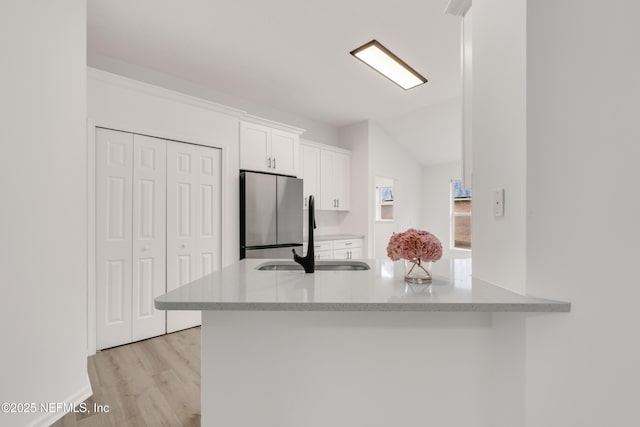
(76, 398)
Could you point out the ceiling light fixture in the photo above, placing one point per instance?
(389, 65)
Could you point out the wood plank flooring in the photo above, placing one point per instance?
(155, 382)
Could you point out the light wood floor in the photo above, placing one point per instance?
(155, 382)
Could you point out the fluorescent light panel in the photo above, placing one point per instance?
(389, 65)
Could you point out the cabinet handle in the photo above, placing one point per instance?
(269, 162)
(334, 203)
(338, 203)
(305, 202)
(274, 162)
(349, 243)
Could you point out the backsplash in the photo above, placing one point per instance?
(327, 222)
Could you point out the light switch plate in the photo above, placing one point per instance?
(498, 202)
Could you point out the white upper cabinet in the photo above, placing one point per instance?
(284, 152)
(265, 149)
(255, 147)
(309, 171)
(335, 180)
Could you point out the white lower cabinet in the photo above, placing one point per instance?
(354, 253)
(336, 249)
(157, 227)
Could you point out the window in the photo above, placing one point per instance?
(384, 199)
(460, 216)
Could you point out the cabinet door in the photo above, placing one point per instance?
(335, 180)
(324, 255)
(327, 196)
(255, 150)
(341, 254)
(355, 253)
(193, 220)
(284, 152)
(114, 175)
(342, 180)
(310, 173)
(149, 235)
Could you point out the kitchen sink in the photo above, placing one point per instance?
(336, 265)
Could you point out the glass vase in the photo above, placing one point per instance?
(417, 272)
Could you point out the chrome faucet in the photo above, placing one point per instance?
(308, 262)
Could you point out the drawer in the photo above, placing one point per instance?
(347, 244)
(325, 245)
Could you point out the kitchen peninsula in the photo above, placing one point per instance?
(345, 348)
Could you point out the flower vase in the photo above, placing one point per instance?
(417, 272)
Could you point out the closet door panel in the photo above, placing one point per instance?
(193, 220)
(209, 225)
(149, 235)
(114, 176)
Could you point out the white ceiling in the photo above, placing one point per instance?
(294, 55)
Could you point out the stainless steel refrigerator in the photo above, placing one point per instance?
(270, 215)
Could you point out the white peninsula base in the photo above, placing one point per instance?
(357, 348)
(345, 369)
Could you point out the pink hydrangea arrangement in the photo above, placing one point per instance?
(414, 245)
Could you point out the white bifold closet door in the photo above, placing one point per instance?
(149, 236)
(157, 227)
(193, 220)
(131, 235)
(114, 207)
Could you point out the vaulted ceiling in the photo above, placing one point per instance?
(294, 56)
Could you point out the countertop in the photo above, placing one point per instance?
(241, 287)
(320, 238)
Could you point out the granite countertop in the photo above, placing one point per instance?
(241, 286)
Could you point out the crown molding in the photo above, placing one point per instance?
(137, 85)
(272, 124)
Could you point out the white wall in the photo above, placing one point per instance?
(582, 229)
(579, 368)
(434, 132)
(436, 194)
(389, 159)
(327, 222)
(315, 131)
(43, 260)
(499, 140)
